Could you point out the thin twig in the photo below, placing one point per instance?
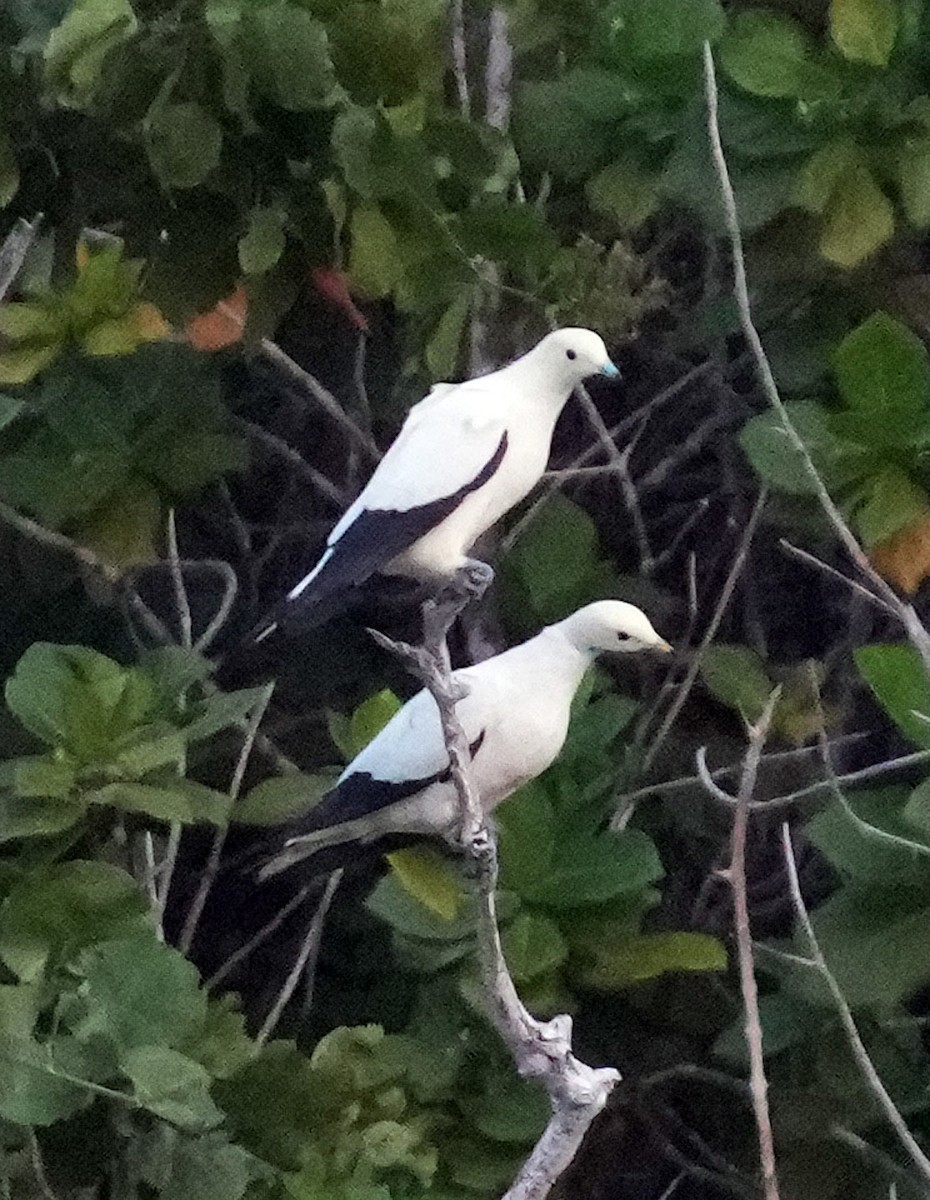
(853, 584)
(554, 486)
(305, 962)
(259, 938)
(459, 57)
(697, 659)
(540, 1050)
(686, 782)
(736, 874)
(861, 1055)
(181, 598)
(906, 614)
(212, 867)
(323, 396)
(277, 445)
(820, 788)
(14, 250)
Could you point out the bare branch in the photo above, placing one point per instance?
(323, 396)
(812, 790)
(694, 666)
(861, 1055)
(211, 870)
(259, 938)
(499, 71)
(540, 1049)
(853, 584)
(906, 614)
(305, 963)
(736, 875)
(14, 250)
(288, 454)
(459, 57)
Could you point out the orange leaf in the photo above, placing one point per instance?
(333, 285)
(222, 326)
(904, 558)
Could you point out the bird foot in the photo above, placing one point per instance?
(473, 578)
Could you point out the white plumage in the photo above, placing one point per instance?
(465, 455)
(515, 717)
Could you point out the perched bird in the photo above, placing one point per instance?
(465, 455)
(515, 716)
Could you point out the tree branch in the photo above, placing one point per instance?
(541, 1050)
(905, 613)
(14, 250)
(736, 875)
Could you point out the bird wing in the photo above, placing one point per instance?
(450, 445)
(406, 757)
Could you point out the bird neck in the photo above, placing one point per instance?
(534, 383)
(569, 659)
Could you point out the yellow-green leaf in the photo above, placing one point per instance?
(25, 362)
(9, 170)
(76, 48)
(125, 530)
(30, 322)
(428, 878)
(375, 264)
(859, 219)
(914, 180)
(864, 30)
(625, 192)
(824, 172)
(442, 350)
(644, 956)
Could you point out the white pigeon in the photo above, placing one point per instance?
(465, 455)
(515, 716)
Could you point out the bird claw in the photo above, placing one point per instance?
(475, 577)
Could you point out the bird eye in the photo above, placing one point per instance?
(624, 637)
(570, 355)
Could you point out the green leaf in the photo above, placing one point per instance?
(622, 962)
(667, 28)
(220, 711)
(784, 1020)
(765, 53)
(370, 718)
(31, 322)
(859, 855)
(823, 173)
(882, 372)
(36, 817)
(140, 992)
(774, 458)
(23, 363)
(30, 1093)
(624, 191)
(527, 837)
(876, 942)
(289, 56)
(533, 946)
(185, 801)
(590, 870)
(510, 1109)
(737, 676)
(277, 800)
(43, 777)
(184, 142)
(391, 902)
(864, 30)
(858, 221)
(76, 48)
(262, 245)
(566, 125)
(917, 810)
(171, 1086)
(375, 264)
(554, 566)
(896, 675)
(892, 500)
(57, 910)
(429, 878)
(9, 410)
(444, 347)
(914, 180)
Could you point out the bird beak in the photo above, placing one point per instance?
(665, 647)
(611, 370)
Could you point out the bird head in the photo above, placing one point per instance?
(571, 355)
(612, 625)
